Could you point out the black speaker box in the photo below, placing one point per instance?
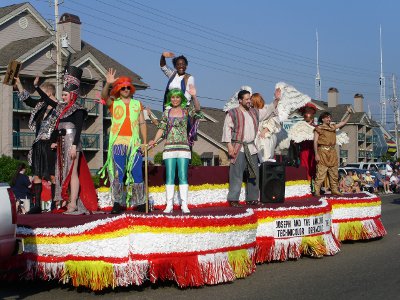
(272, 182)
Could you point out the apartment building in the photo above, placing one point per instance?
(27, 37)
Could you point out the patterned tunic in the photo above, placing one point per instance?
(175, 131)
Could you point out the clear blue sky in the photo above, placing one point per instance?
(256, 43)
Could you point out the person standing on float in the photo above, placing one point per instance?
(72, 172)
(176, 155)
(306, 151)
(325, 152)
(239, 131)
(124, 156)
(42, 121)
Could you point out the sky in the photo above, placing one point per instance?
(255, 42)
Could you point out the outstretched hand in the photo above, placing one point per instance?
(278, 94)
(167, 54)
(110, 76)
(36, 81)
(192, 90)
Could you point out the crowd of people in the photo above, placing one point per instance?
(386, 181)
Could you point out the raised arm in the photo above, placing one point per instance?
(44, 97)
(268, 110)
(110, 79)
(163, 56)
(349, 112)
(192, 91)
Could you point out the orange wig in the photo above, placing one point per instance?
(257, 101)
(120, 83)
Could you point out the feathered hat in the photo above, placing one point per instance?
(307, 107)
(72, 80)
(119, 84)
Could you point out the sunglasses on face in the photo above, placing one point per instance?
(126, 88)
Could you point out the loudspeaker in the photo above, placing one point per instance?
(272, 182)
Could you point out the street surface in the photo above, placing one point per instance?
(362, 270)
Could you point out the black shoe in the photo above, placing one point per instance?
(117, 208)
(254, 202)
(234, 204)
(35, 210)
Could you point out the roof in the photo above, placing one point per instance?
(340, 110)
(211, 128)
(106, 61)
(18, 48)
(4, 11)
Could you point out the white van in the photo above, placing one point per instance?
(374, 166)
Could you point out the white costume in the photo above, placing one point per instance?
(266, 146)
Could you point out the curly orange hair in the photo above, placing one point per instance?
(120, 83)
(257, 100)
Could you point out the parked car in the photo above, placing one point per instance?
(373, 167)
(9, 244)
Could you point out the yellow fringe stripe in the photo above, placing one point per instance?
(134, 230)
(240, 262)
(297, 182)
(350, 230)
(364, 204)
(207, 186)
(313, 246)
(96, 275)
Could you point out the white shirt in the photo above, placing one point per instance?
(176, 82)
(249, 132)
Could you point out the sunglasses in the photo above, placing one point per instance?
(126, 88)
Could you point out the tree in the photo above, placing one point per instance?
(196, 160)
(158, 160)
(8, 167)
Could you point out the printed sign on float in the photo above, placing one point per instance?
(285, 228)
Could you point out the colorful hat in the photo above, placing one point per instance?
(176, 92)
(72, 79)
(306, 107)
(119, 84)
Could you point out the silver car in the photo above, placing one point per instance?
(9, 244)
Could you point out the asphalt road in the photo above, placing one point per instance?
(361, 270)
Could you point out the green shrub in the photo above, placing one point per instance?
(96, 180)
(8, 167)
(158, 160)
(196, 160)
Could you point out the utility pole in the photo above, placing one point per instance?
(58, 52)
(317, 77)
(395, 105)
(382, 84)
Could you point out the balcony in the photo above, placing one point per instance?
(369, 139)
(361, 153)
(90, 142)
(105, 143)
(106, 113)
(19, 106)
(91, 105)
(361, 137)
(344, 153)
(23, 140)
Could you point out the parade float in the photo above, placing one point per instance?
(213, 244)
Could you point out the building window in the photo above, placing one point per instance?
(207, 158)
